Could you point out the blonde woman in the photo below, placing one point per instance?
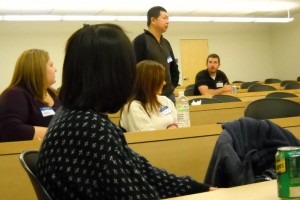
(28, 104)
(148, 110)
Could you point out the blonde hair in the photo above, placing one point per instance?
(30, 73)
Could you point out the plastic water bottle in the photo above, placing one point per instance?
(183, 111)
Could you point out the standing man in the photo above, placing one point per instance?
(211, 81)
(151, 45)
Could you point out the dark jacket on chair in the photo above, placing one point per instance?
(245, 149)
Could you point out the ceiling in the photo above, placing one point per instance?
(203, 8)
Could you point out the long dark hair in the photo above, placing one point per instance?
(99, 69)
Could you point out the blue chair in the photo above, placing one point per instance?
(259, 88)
(283, 83)
(189, 92)
(190, 86)
(226, 98)
(280, 95)
(270, 108)
(246, 85)
(272, 80)
(290, 86)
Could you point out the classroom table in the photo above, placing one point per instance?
(257, 191)
(168, 149)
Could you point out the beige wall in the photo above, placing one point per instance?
(243, 47)
(249, 51)
(286, 48)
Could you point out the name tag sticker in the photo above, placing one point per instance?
(169, 59)
(219, 84)
(47, 111)
(165, 110)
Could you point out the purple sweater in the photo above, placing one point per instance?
(20, 112)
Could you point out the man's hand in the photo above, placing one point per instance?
(227, 88)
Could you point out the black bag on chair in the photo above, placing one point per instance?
(245, 152)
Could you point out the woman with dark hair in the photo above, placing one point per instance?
(147, 110)
(28, 104)
(84, 155)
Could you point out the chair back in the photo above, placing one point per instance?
(298, 78)
(270, 108)
(245, 85)
(204, 100)
(258, 88)
(283, 83)
(289, 86)
(29, 160)
(226, 98)
(272, 80)
(190, 86)
(189, 92)
(280, 95)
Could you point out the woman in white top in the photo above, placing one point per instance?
(147, 110)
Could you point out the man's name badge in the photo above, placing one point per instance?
(219, 84)
(169, 59)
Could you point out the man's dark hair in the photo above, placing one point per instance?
(213, 55)
(99, 69)
(154, 12)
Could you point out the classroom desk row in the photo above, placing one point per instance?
(257, 191)
(184, 151)
(275, 85)
(250, 96)
(220, 112)
(174, 148)
(213, 113)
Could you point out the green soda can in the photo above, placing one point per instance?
(288, 171)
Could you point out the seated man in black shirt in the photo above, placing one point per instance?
(211, 81)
